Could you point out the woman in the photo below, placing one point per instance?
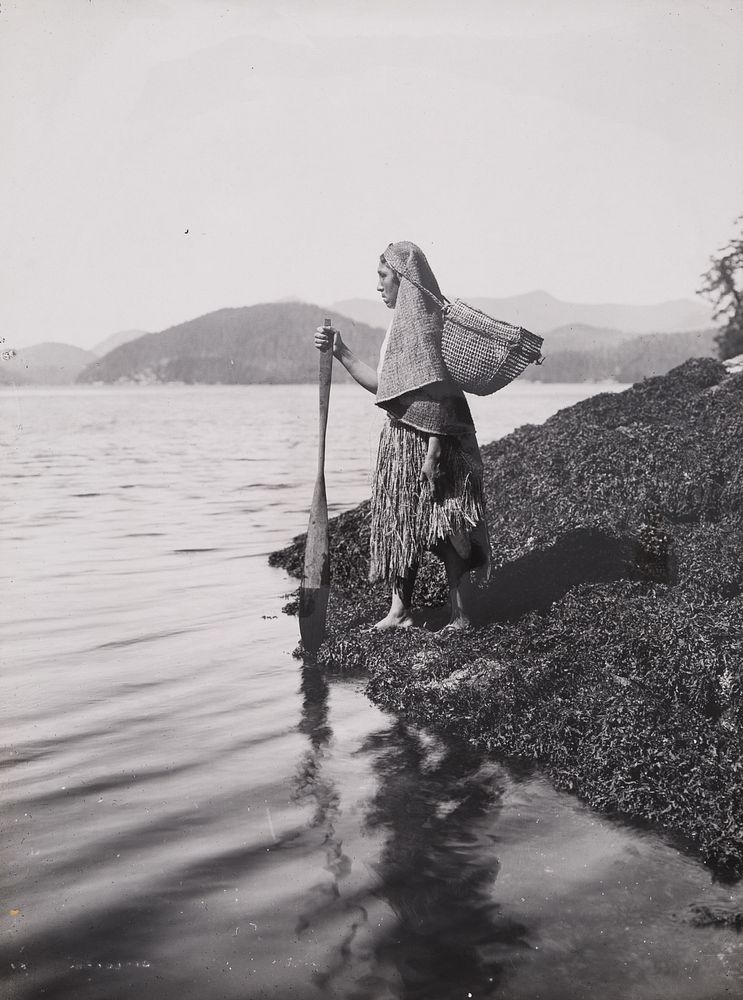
(427, 490)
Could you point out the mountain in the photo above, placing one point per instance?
(369, 311)
(264, 343)
(657, 354)
(580, 337)
(116, 340)
(595, 355)
(541, 312)
(10, 378)
(45, 364)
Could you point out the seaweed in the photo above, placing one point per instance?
(609, 646)
(715, 916)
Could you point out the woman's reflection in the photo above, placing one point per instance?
(438, 865)
(434, 809)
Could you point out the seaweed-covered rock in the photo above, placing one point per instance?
(610, 646)
(701, 915)
(667, 449)
(629, 694)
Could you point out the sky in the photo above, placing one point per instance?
(164, 158)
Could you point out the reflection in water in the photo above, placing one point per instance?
(436, 869)
(438, 866)
(325, 902)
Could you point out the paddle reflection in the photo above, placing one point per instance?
(324, 904)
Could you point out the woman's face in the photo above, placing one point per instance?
(387, 285)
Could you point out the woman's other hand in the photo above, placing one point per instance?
(431, 469)
(327, 337)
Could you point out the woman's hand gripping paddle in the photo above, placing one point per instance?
(313, 591)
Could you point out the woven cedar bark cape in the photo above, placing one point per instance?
(414, 385)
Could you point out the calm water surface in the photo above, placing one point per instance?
(190, 813)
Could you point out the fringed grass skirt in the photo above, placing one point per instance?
(407, 519)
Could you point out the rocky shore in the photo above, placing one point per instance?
(608, 643)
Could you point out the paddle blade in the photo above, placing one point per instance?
(315, 586)
(313, 612)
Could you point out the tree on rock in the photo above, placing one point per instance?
(723, 284)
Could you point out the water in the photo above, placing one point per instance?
(191, 813)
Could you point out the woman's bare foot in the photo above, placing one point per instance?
(399, 614)
(394, 620)
(459, 624)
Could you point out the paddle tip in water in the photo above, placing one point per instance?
(313, 606)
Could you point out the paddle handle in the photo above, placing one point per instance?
(326, 375)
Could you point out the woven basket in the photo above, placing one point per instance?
(483, 354)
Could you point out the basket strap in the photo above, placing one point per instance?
(443, 306)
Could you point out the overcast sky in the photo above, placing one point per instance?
(163, 158)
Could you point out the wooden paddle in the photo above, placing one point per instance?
(315, 586)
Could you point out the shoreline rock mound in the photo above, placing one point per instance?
(609, 646)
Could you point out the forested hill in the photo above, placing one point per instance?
(585, 354)
(50, 363)
(252, 344)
